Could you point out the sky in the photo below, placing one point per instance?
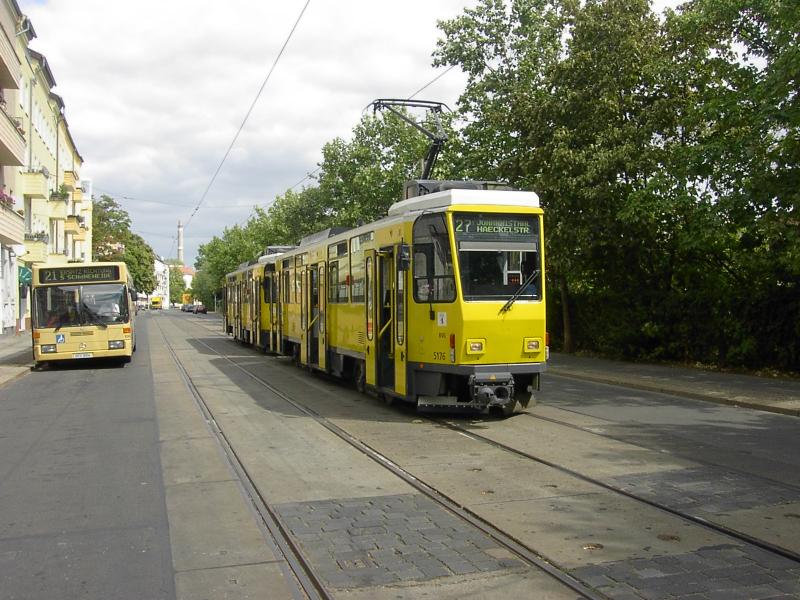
(155, 92)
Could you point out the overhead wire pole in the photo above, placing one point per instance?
(246, 117)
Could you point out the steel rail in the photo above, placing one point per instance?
(522, 551)
(307, 584)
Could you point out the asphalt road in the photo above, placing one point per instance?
(756, 442)
(82, 510)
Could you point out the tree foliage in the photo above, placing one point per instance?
(665, 150)
(112, 240)
(177, 286)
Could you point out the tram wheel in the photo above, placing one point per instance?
(510, 408)
(360, 376)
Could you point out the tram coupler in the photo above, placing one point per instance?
(491, 389)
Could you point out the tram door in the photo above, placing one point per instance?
(322, 295)
(271, 293)
(402, 263)
(384, 318)
(313, 328)
(255, 312)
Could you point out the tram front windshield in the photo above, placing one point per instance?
(498, 256)
(76, 305)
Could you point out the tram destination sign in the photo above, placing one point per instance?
(92, 274)
(483, 227)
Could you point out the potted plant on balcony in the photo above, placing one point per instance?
(61, 194)
(6, 201)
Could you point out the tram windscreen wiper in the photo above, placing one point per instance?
(518, 293)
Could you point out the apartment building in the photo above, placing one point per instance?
(46, 211)
(12, 158)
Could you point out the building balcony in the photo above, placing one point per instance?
(10, 69)
(12, 225)
(34, 185)
(74, 224)
(77, 195)
(70, 178)
(57, 210)
(12, 142)
(80, 236)
(35, 251)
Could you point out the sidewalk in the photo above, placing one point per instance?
(761, 393)
(16, 356)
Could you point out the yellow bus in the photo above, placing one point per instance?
(83, 312)
(155, 303)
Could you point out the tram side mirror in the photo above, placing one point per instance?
(404, 257)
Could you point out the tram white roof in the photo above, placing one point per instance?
(268, 259)
(465, 197)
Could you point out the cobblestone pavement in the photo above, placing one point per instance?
(359, 542)
(710, 490)
(724, 572)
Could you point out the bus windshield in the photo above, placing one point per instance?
(75, 305)
(497, 254)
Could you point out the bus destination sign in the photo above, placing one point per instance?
(93, 274)
(481, 227)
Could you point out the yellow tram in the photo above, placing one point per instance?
(83, 311)
(441, 303)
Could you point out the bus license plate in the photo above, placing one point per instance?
(82, 355)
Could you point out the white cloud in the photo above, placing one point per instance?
(155, 92)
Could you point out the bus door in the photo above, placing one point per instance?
(384, 324)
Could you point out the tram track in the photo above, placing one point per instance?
(700, 521)
(307, 584)
(528, 555)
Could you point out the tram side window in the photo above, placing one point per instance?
(333, 279)
(433, 261)
(338, 284)
(357, 267)
(286, 287)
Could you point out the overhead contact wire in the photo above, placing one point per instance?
(249, 111)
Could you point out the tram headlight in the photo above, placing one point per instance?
(116, 344)
(48, 348)
(531, 345)
(475, 346)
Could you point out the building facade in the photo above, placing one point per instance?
(12, 158)
(162, 282)
(45, 208)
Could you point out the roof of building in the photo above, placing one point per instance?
(42, 60)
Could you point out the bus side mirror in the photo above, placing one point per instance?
(403, 257)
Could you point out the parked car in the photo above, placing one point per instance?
(200, 308)
(187, 307)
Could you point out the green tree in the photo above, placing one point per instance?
(177, 286)
(205, 290)
(112, 240)
(140, 258)
(110, 227)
